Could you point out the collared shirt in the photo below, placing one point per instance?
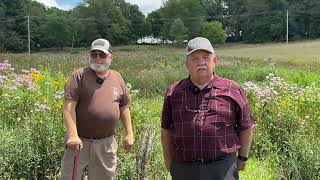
(205, 124)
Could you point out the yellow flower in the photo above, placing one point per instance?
(283, 104)
(57, 105)
(55, 82)
(36, 76)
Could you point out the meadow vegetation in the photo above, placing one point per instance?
(282, 83)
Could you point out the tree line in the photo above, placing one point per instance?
(251, 21)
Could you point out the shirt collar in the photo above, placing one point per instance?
(212, 84)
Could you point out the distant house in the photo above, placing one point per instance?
(152, 40)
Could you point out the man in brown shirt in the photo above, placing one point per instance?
(95, 99)
(206, 121)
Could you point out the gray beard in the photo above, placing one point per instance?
(99, 67)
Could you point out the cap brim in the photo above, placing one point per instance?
(100, 49)
(199, 49)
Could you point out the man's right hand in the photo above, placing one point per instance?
(168, 164)
(74, 144)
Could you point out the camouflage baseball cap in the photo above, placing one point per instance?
(101, 45)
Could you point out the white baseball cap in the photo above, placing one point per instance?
(199, 43)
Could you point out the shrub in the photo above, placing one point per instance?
(286, 115)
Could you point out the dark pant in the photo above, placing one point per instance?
(225, 169)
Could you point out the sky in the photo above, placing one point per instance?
(145, 6)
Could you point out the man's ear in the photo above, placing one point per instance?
(111, 56)
(186, 62)
(216, 58)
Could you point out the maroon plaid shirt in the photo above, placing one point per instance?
(205, 125)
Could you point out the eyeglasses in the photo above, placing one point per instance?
(202, 108)
(94, 55)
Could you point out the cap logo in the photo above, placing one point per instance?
(193, 45)
(99, 43)
(102, 45)
(115, 93)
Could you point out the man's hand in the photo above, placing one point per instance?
(167, 163)
(241, 165)
(128, 143)
(74, 144)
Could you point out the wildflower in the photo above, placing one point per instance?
(129, 86)
(55, 82)
(25, 71)
(3, 78)
(35, 71)
(5, 65)
(57, 96)
(57, 105)
(8, 87)
(37, 76)
(41, 106)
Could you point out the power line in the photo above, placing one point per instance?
(15, 19)
(223, 16)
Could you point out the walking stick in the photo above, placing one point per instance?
(75, 165)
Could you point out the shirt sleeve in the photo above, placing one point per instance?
(166, 120)
(245, 119)
(125, 99)
(71, 88)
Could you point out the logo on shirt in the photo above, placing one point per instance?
(115, 93)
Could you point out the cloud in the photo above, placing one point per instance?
(53, 3)
(146, 6)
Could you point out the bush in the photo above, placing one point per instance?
(286, 117)
(214, 32)
(31, 123)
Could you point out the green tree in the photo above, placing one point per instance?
(156, 21)
(14, 25)
(189, 11)
(178, 32)
(214, 32)
(138, 26)
(102, 18)
(37, 13)
(265, 20)
(234, 19)
(304, 19)
(57, 33)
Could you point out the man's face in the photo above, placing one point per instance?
(201, 63)
(100, 61)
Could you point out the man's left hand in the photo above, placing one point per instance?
(241, 165)
(128, 143)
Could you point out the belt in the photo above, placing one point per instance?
(206, 161)
(201, 161)
(96, 138)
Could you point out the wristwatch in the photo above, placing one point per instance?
(242, 158)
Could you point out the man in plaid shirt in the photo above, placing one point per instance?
(206, 121)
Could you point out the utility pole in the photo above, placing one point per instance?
(72, 43)
(28, 34)
(287, 26)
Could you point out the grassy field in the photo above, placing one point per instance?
(285, 101)
(294, 53)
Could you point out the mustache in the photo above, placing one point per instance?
(99, 67)
(202, 67)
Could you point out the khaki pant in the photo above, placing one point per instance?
(98, 154)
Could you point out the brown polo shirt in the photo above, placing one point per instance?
(206, 124)
(97, 111)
